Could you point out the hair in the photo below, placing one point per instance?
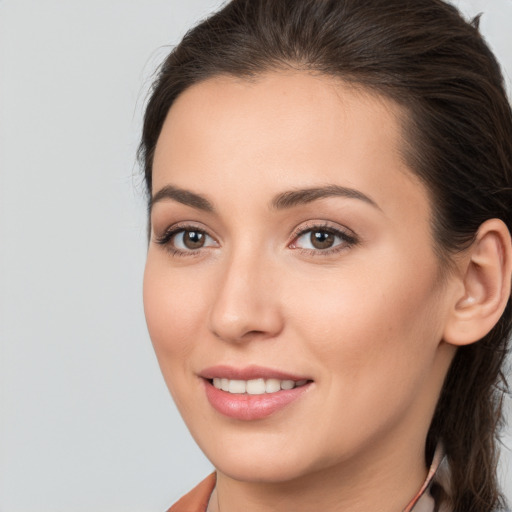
(457, 129)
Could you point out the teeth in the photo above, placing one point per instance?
(237, 386)
(272, 385)
(287, 384)
(255, 386)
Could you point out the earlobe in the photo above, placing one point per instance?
(486, 279)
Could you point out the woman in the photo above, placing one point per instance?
(329, 268)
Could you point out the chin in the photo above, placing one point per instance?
(269, 471)
(252, 460)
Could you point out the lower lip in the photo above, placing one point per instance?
(251, 407)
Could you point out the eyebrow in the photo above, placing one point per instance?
(282, 201)
(182, 196)
(298, 197)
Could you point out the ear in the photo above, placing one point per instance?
(486, 271)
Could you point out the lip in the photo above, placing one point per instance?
(248, 373)
(247, 407)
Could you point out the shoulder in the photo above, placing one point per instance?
(197, 499)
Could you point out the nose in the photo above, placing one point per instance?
(246, 305)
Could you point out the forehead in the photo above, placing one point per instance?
(282, 102)
(283, 129)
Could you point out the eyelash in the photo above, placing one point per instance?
(348, 239)
(169, 234)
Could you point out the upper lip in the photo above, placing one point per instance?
(248, 373)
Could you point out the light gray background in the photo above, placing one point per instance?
(86, 422)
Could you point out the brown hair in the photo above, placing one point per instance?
(425, 57)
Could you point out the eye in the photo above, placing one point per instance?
(323, 239)
(191, 239)
(182, 240)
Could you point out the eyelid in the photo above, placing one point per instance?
(348, 237)
(170, 232)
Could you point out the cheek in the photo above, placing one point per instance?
(374, 341)
(174, 315)
(172, 306)
(380, 325)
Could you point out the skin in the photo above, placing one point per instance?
(364, 320)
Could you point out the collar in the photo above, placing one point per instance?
(438, 475)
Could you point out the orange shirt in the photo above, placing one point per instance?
(197, 499)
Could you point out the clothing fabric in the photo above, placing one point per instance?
(197, 499)
(438, 476)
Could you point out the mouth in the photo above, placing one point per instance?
(255, 386)
(252, 393)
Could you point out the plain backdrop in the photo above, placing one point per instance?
(86, 422)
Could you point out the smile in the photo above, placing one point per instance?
(252, 393)
(255, 386)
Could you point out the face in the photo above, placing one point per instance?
(291, 291)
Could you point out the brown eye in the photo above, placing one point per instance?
(322, 239)
(187, 240)
(192, 239)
